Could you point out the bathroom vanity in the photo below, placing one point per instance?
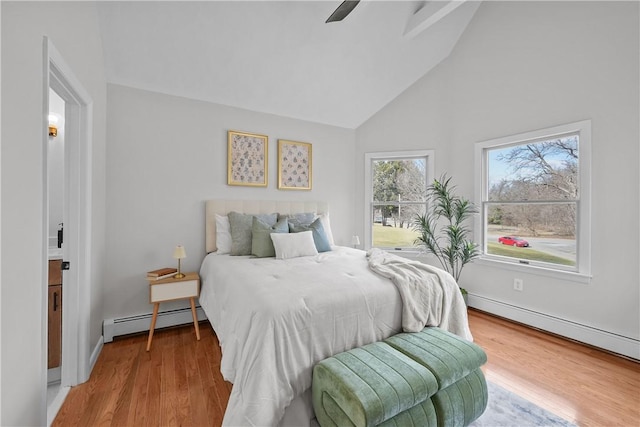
(55, 313)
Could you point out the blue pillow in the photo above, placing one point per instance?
(319, 236)
(305, 218)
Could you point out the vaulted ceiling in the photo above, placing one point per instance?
(280, 57)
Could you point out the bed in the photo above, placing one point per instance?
(275, 319)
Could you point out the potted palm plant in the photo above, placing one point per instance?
(442, 231)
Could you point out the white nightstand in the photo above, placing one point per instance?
(174, 289)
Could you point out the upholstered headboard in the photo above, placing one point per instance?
(223, 207)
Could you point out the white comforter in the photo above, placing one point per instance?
(276, 319)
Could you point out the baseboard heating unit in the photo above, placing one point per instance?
(133, 324)
(625, 346)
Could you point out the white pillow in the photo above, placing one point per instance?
(223, 235)
(326, 224)
(293, 245)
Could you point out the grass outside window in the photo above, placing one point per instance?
(526, 254)
(393, 237)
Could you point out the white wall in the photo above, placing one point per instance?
(73, 29)
(166, 155)
(523, 66)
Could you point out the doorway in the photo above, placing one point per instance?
(56, 196)
(75, 250)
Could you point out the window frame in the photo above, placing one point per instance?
(428, 155)
(582, 271)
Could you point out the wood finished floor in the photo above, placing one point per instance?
(178, 383)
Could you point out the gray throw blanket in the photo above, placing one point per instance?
(430, 296)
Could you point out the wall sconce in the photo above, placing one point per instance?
(179, 253)
(53, 125)
(355, 241)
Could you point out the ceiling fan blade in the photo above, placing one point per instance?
(343, 10)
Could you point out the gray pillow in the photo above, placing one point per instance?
(319, 236)
(299, 218)
(261, 243)
(240, 225)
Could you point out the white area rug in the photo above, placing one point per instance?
(506, 409)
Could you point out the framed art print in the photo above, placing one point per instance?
(247, 159)
(294, 165)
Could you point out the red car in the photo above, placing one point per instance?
(513, 241)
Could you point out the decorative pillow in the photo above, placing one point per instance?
(241, 230)
(319, 236)
(261, 244)
(299, 218)
(293, 245)
(223, 235)
(326, 224)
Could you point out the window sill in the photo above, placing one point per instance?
(533, 269)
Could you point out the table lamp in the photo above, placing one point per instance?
(179, 253)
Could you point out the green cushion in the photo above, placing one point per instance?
(446, 355)
(368, 385)
(261, 243)
(240, 225)
(421, 415)
(463, 401)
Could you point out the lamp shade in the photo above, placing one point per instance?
(355, 240)
(179, 252)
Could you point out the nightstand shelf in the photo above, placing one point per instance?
(172, 289)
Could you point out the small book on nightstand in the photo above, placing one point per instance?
(161, 273)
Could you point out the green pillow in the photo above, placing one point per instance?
(319, 236)
(240, 225)
(261, 243)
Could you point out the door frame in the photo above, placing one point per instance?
(76, 297)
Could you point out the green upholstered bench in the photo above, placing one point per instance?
(428, 378)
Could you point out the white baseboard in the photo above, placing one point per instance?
(576, 331)
(54, 375)
(132, 324)
(54, 406)
(95, 353)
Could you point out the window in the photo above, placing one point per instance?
(395, 193)
(535, 198)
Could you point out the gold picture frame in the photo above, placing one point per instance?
(247, 159)
(294, 165)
